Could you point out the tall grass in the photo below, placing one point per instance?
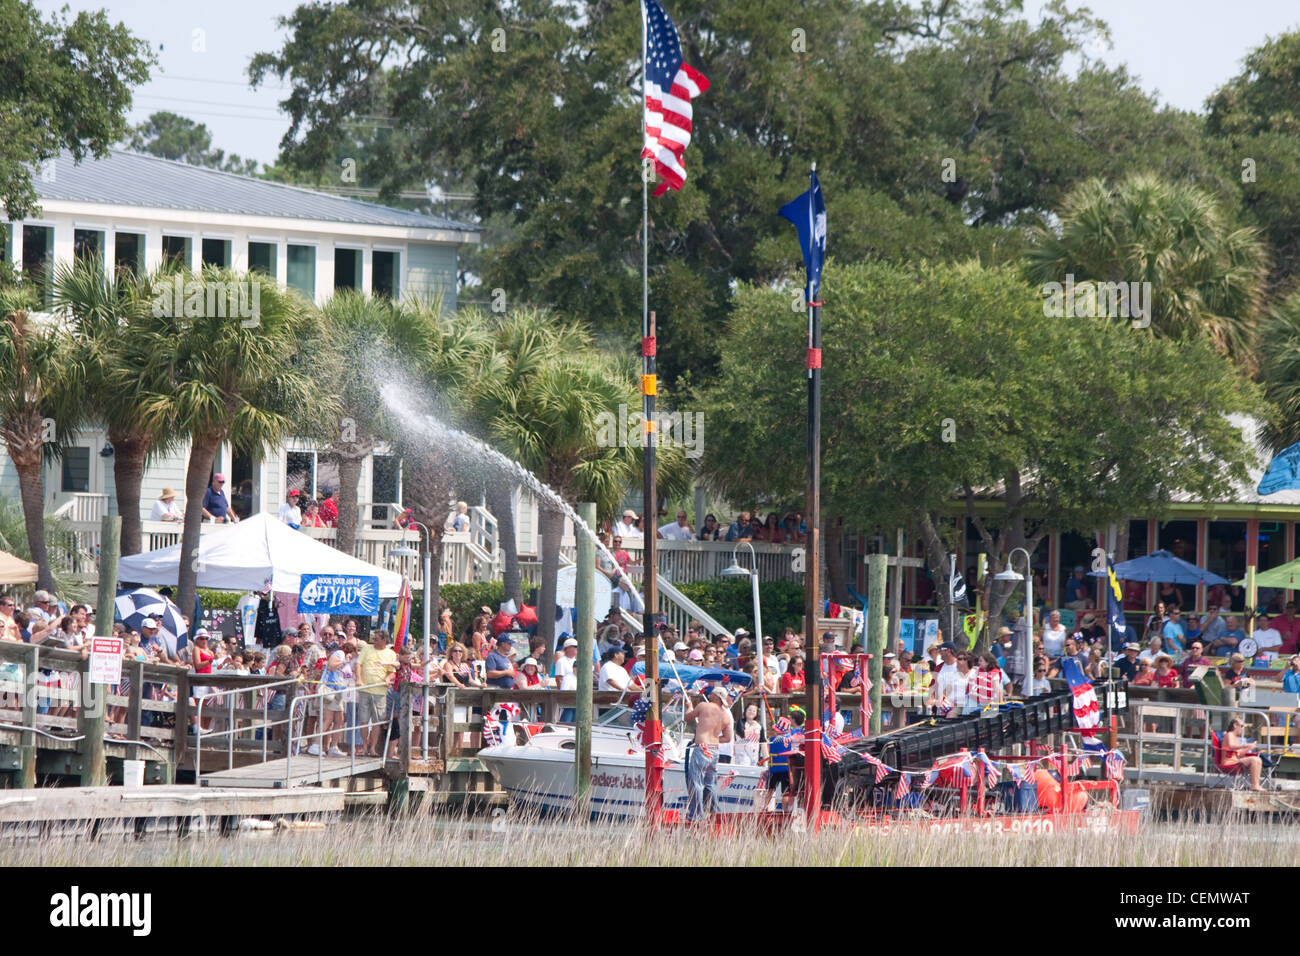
(377, 840)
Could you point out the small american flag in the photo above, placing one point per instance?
(992, 772)
(931, 777)
(904, 786)
(831, 751)
(670, 85)
(1114, 765)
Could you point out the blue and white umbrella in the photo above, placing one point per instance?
(132, 607)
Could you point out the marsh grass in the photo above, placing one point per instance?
(423, 840)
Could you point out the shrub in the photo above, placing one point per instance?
(731, 603)
(464, 601)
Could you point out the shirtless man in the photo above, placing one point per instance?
(712, 726)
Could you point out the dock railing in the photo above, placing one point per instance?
(1170, 741)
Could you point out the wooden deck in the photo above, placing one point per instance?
(292, 772)
(75, 807)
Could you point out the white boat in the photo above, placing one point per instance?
(537, 772)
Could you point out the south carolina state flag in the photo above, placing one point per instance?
(808, 213)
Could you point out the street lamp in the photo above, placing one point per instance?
(737, 570)
(404, 550)
(1028, 577)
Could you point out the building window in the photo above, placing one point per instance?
(216, 252)
(384, 274)
(87, 244)
(301, 270)
(176, 252)
(1179, 539)
(128, 253)
(347, 269)
(261, 258)
(76, 469)
(385, 486)
(38, 257)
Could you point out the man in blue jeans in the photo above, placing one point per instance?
(711, 729)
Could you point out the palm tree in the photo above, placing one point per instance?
(104, 313)
(218, 377)
(32, 394)
(1280, 371)
(1206, 277)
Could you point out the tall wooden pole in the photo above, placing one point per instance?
(92, 708)
(585, 599)
(653, 729)
(877, 571)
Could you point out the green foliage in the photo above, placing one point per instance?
(463, 600)
(219, 600)
(172, 136)
(1074, 422)
(879, 94)
(67, 86)
(731, 603)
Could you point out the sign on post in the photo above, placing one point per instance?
(106, 660)
(338, 594)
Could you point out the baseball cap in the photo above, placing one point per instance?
(697, 655)
(1131, 647)
(294, 492)
(680, 646)
(571, 642)
(148, 622)
(719, 691)
(629, 513)
(201, 632)
(741, 632)
(828, 636)
(947, 646)
(503, 639)
(530, 660)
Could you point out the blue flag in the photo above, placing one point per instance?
(1119, 633)
(808, 213)
(1283, 471)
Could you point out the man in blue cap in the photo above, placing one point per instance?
(500, 670)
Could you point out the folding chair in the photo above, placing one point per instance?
(1235, 774)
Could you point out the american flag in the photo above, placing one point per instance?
(992, 772)
(904, 785)
(931, 777)
(1114, 765)
(670, 85)
(831, 751)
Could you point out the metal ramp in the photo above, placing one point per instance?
(302, 770)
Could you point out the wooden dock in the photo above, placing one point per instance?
(95, 811)
(291, 772)
(1182, 801)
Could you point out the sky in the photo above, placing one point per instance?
(1181, 49)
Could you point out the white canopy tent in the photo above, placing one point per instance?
(249, 555)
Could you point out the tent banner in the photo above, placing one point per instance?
(338, 594)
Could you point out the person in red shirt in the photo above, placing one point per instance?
(329, 508)
(1166, 676)
(792, 681)
(1288, 625)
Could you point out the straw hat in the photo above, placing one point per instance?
(167, 492)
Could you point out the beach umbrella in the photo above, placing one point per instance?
(1162, 566)
(132, 607)
(1284, 576)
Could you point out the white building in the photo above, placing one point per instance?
(135, 209)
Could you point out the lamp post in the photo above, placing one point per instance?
(1008, 574)
(405, 551)
(739, 571)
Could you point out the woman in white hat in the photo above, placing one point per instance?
(166, 507)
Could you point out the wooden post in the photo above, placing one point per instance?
(586, 639)
(877, 571)
(896, 597)
(135, 674)
(91, 713)
(110, 546)
(181, 711)
(404, 728)
(27, 772)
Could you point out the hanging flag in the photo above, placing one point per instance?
(957, 588)
(670, 85)
(402, 618)
(904, 785)
(1119, 634)
(1114, 765)
(1087, 712)
(808, 213)
(1283, 472)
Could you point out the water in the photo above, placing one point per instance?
(395, 397)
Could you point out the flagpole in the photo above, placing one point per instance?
(649, 495)
(812, 576)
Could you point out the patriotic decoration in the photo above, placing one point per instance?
(495, 722)
(831, 751)
(1087, 712)
(669, 86)
(133, 607)
(904, 786)
(945, 706)
(931, 777)
(992, 772)
(402, 617)
(1114, 765)
(1119, 631)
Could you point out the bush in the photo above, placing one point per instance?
(464, 601)
(219, 600)
(731, 603)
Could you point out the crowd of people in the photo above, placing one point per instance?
(748, 526)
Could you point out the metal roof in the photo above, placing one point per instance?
(124, 178)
